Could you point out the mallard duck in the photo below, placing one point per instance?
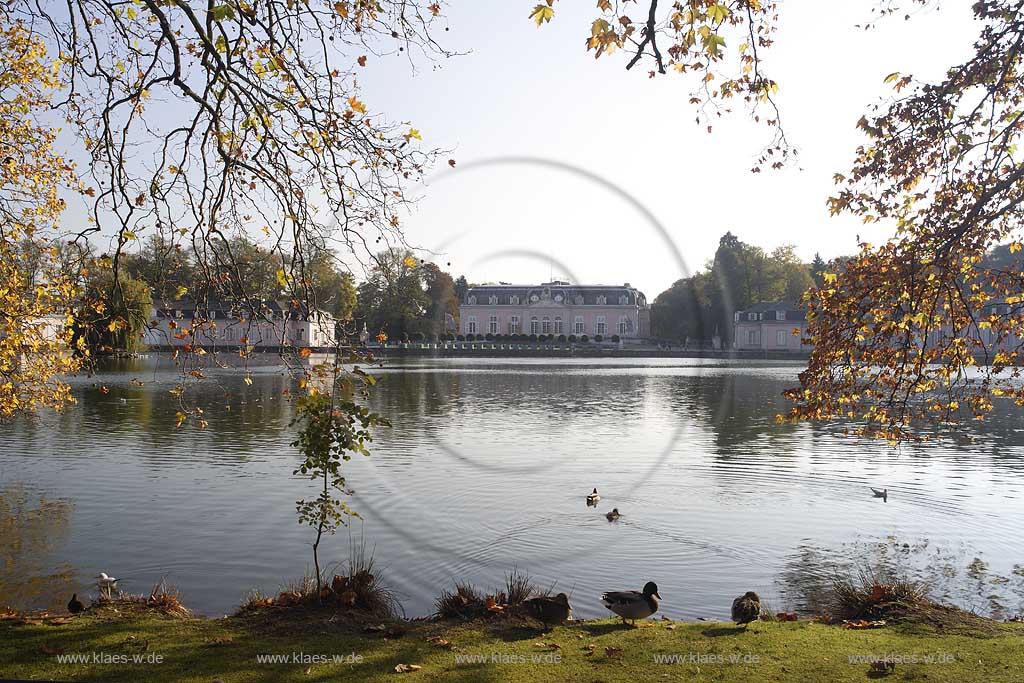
(549, 610)
(613, 515)
(75, 605)
(593, 498)
(633, 605)
(746, 608)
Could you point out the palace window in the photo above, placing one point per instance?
(751, 316)
(578, 299)
(534, 325)
(471, 325)
(602, 300)
(492, 324)
(625, 325)
(602, 325)
(493, 300)
(546, 325)
(558, 325)
(780, 337)
(754, 337)
(780, 315)
(513, 325)
(623, 300)
(514, 299)
(577, 325)
(471, 300)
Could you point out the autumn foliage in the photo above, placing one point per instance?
(34, 292)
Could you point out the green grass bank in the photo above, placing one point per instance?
(128, 643)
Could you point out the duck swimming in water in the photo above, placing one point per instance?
(593, 498)
(883, 494)
(633, 605)
(613, 515)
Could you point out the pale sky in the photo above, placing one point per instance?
(529, 92)
(526, 93)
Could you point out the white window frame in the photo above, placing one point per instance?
(751, 316)
(472, 299)
(471, 325)
(602, 300)
(753, 337)
(545, 325)
(780, 337)
(513, 325)
(558, 324)
(493, 300)
(601, 325)
(577, 326)
(780, 315)
(514, 300)
(492, 324)
(624, 325)
(534, 325)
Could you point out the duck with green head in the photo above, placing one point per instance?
(633, 605)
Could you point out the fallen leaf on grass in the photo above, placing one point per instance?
(223, 640)
(613, 652)
(670, 627)
(864, 623)
(406, 668)
(51, 649)
(548, 646)
(60, 621)
(438, 641)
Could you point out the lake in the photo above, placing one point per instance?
(487, 468)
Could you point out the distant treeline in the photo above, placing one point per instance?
(702, 305)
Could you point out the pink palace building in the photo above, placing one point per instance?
(556, 307)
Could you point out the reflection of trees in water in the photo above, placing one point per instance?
(739, 409)
(497, 394)
(31, 528)
(954, 577)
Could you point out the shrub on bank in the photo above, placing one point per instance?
(616, 338)
(585, 339)
(599, 338)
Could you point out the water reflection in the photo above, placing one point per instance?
(487, 467)
(32, 528)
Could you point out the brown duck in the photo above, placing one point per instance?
(549, 610)
(746, 608)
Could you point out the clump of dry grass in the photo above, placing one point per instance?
(465, 602)
(518, 588)
(359, 586)
(167, 598)
(871, 595)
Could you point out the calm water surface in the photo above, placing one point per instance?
(487, 468)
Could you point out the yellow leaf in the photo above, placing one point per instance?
(410, 262)
(892, 77)
(413, 133)
(356, 105)
(542, 13)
